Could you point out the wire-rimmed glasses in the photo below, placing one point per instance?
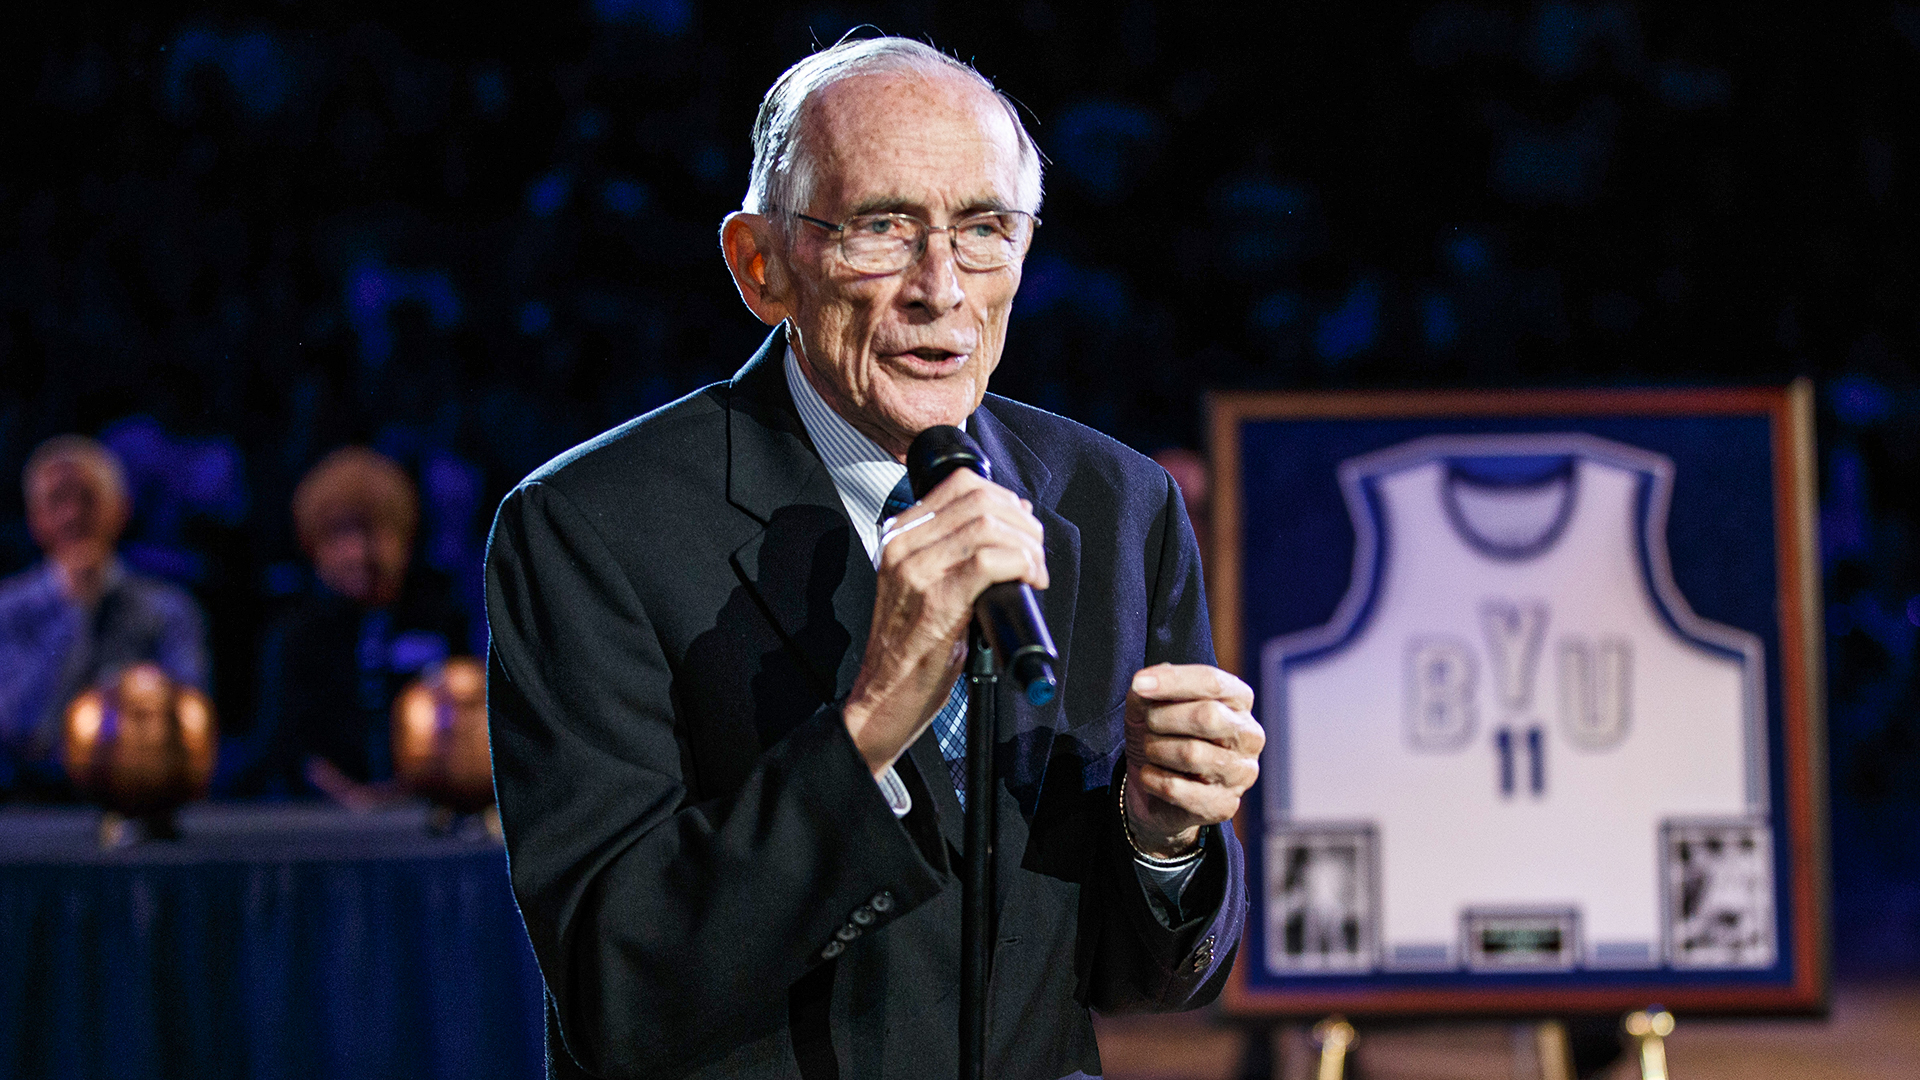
(889, 243)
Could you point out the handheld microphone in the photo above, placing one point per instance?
(1007, 613)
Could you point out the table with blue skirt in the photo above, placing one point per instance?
(266, 941)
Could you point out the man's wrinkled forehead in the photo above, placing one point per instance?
(878, 136)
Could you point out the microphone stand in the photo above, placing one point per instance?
(976, 898)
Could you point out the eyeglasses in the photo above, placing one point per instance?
(889, 243)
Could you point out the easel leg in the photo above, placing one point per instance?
(1651, 1026)
(1554, 1050)
(1334, 1036)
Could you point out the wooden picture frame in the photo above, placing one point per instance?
(1285, 468)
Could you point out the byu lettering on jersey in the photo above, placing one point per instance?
(1577, 762)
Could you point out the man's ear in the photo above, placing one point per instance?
(753, 256)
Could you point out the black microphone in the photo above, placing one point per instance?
(1007, 613)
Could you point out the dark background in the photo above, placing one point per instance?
(233, 237)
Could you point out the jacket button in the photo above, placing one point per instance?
(833, 949)
(847, 932)
(1203, 955)
(862, 916)
(882, 902)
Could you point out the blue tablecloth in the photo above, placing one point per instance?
(268, 941)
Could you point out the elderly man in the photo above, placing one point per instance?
(79, 617)
(725, 649)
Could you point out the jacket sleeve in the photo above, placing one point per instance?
(1141, 964)
(667, 930)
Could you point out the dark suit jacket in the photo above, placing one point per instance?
(677, 608)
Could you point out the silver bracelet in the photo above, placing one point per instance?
(1155, 862)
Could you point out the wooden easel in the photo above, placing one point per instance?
(1649, 1027)
(1541, 1049)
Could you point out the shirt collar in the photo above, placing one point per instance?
(862, 472)
(111, 578)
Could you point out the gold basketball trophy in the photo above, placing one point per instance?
(440, 744)
(141, 747)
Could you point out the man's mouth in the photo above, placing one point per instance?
(932, 357)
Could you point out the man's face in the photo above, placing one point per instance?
(74, 513)
(898, 353)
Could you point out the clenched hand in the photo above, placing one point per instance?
(935, 560)
(1193, 749)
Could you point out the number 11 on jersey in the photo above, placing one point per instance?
(1536, 754)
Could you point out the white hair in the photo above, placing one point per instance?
(783, 163)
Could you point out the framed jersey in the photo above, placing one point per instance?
(1539, 672)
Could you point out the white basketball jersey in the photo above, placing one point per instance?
(1513, 696)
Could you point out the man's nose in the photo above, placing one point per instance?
(933, 281)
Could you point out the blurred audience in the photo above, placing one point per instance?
(79, 617)
(333, 662)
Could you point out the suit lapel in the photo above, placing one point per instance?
(1026, 731)
(805, 566)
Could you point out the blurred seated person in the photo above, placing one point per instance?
(80, 616)
(333, 663)
(1194, 477)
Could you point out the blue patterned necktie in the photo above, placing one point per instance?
(950, 724)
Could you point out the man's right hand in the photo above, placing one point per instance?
(935, 561)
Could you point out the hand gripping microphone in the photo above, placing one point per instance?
(1007, 613)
